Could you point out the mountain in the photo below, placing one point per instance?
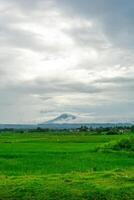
(64, 118)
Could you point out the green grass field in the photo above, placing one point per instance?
(37, 166)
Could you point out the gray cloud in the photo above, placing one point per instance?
(54, 86)
(114, 16)
(117, 80)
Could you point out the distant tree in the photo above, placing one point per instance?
(83, 128)
(113, 131)
(132, 128)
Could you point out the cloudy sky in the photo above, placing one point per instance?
(66, 56)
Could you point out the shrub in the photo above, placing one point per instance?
(124, 144)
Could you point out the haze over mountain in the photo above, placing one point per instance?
(64, 121)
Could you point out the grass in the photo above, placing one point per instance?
(65, 166)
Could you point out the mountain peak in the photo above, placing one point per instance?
(63, 118)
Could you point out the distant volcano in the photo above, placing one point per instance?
(64, 118)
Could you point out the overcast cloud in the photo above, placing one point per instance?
(66, 56)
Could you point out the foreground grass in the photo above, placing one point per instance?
(58, 167)
(110, 185)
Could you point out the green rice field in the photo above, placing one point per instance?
(62, 166)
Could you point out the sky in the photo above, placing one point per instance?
(66, 56)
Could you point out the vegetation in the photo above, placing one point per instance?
(126, 144)
(71, 166)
